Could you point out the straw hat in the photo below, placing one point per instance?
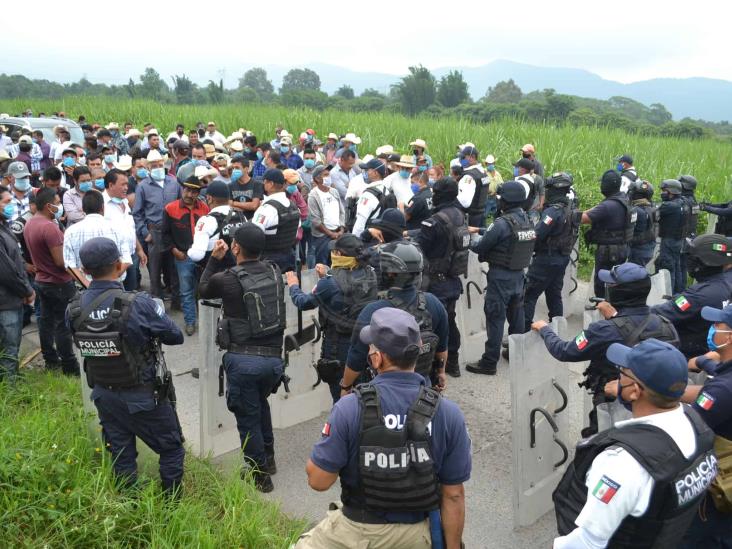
(405, 161)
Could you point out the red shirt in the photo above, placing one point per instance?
(41, 234)
(179, 223)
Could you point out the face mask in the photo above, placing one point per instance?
(309, 163)
(158, 174)
(515, 171)
(404, 174)
(292, 189)
(415, 152)
(326, 182)
(422, 168)
(259, 155)
(34, 140)
(236, 175)
(131, 141)
(626, 403)
(142, 173)
(247, 150)
(464, 162)
(9, 210)
(415, 188)
(59, 213)
(85, 186)
(619, 167)
(665, 196)
(431, 182)
(69, 162)
(710, 338)
(490, 168)
(108, 159)
(366, 178)
(22, 184)
(343, 262)
(285, 149)
(99, 184)
(352, 148)
(117, 200)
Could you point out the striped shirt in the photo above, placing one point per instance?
(93, 226)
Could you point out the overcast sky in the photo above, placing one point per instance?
(111, 41)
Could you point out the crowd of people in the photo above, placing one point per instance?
(389, 235)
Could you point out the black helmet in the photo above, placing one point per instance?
(688, 182)
(511, 192)
(444, 191)
(400, 264)
(560, 180)
(707, 254)
(640, 189)
(671, 186)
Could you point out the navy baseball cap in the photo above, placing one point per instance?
(394, 332)
(348, 244)
(250, 237)
(623, 273)
(392, 217)
(512, 191)
(656, 364)
(718, 315)
(218, 189)
(625, 158)
(374, 164)
(469, 151)
(275, 176)
(98, 252)
(525, 163)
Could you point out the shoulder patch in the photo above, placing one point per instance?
(427, 223)
(581, 340)
(260, 219)
(606, 489)
(548, 220)
(200, 224)
(490, 227)
(326, 429)
(682, 303)
(705, 400)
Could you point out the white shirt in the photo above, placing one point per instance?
(120, 215)
(368, 207)
(5, 142)
(356, 186)
(215, 136)
(59, 150)
(206, 234)
(466, 186)
(331, 209)
(266, 215)
(615, 467)
(92, 226)
(400, 186)
(183, 137)
(625, 181)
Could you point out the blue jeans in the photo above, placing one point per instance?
(503, 301)
(11, 326)
(319, 244)
(55, 336)
(130, 282)
(249, 381)
(187, 281)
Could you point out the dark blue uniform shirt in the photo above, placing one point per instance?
(671, 218)
(551, 224)
(714, 402)
(497, 234)
(608, 214)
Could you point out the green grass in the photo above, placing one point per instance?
(57, 488)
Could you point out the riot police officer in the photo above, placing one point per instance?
(627, 319)
(672, 219)
(399, 277)
(613, 223)
(445, 239)
(556, 234)
(507, 245)
(639, 484)
(118, 334)
(688, 188)
(473, 186)
(709, 258)
(723, 211)
(395, 471)
(340, 295)
(251, 331)
(643, 243)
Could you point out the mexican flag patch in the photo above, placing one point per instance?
(260, 219)
(326, 430)
(682, 303)
(719, 247)
(581, 340)
(548, 220)
(605, 489)
(706, 401)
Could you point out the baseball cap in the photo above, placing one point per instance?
(181, 145)
(210, 150)
(469, 150)
(623, 273)
(391, 217)
(218, 189)
(374, 164)
(18, 170)
(625, 158)
(656, 364)
(348, 244)
(286, 140)
(525, 163)
(98, 252)
(528, 148)
(275, 176)
(250, 237)
(291, 176)
(718, 315)
(25, 139)
(394, 332)
(320, 169)
(193, 182)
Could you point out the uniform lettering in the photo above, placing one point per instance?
(526, 235)
(368, 457)
(396, 423)
(99, 314)
(696, 481)
(395, 458)
(98, 348)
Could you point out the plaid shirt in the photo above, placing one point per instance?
(92, 226)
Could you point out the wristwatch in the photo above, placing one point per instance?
(345, 387)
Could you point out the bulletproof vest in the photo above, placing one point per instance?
(643, 234)
(631, 175)
(386, 201)
(517, 255)
(418, 309)
(109, 360)
(455, 260)
(285, 236)
(17, 227)
(562, 243)
(264, 301)
(675, 227)
(724, 225)
(227, 224)
(477, 206)
(358, 287)
(351, 206)
(529, 180)
(396, 468)
(692, 215)
(679, 483)
(601, 235)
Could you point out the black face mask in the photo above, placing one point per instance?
(439, 199)
(609, 189)
(632, 294)
(665, 196)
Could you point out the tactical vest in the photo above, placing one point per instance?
(600, 235)
(396, 468)
(692, 215)
(480, 197)
(724, 225)
(17, 227)
(455, 260)
(264, 301)
(418, 309)
(283, 240)
(644, 235)
(109, 360)
(675, 228)
(679, 483)
(517, 255)
(358, 287)
(531, 194)
(351, 207)
(562, 243)
(386, 201)
(631, 175)
(227, 224)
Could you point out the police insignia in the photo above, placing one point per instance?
(260, 218)
(705, 400)
(326, 430)
(581, 340)
(682, 303)
(719, 247)
(605, 489)
(548, 220)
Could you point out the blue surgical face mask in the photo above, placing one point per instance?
(431, 182)
(117, 200)
(365, 175)
(158, 174)
(236, 175)
(515, 171)
(415, 188)
(710, 338)
(404, 174)
(142, 173)
(85, 187)
(491, 167)
(59, 213)
(22, 184)
(247, 150)
(259, 155)
(464, 162)
(619, 167)
(285, 149)
(99, 184)
(9, 210)
(69, 162)
(352, 147)
(109, 159)
(309, 163)
(422, 168)
(292, 189)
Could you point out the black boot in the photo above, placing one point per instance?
(479, 368)
(271, 466)
(452, 368)
(263, 482)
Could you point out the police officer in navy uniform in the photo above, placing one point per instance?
(556, 234)
(613, 223)
(445, 239)
(399, 277)
(627, 319)
(643, 243)
(401, 452)
(688, 195)
(723, 211)
(712, 526)
(673, 215)
(117, 333)
(251, 331)
(709, 258)
(341, 294)
(507, 245)
(639, 484)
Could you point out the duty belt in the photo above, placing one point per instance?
(256, 350)
(364, 516)
(138, 387)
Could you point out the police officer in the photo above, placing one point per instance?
(643, 243)
(279, 217)
(340, 295)
(627, 172)
(118, 334)
(221, 221)
(688, 188)
(672, 220)
(399, 277)
(473, 186)
(523, 172)
(251, 331)
(445, 240)
(723, 211)
(639, 484)
(556, 234)
(627, 319)
(394, 469)
(713, 402)
(507, 245)
(613, 223)
(709, 258)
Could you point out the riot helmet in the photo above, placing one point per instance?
(708, 254)
(639, 189)
(400, 265)
(688, 183)
(558, 187)
(670, 187)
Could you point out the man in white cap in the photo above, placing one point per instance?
(419, 149)
(349, 142)
(400, 182)
(213, 134)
